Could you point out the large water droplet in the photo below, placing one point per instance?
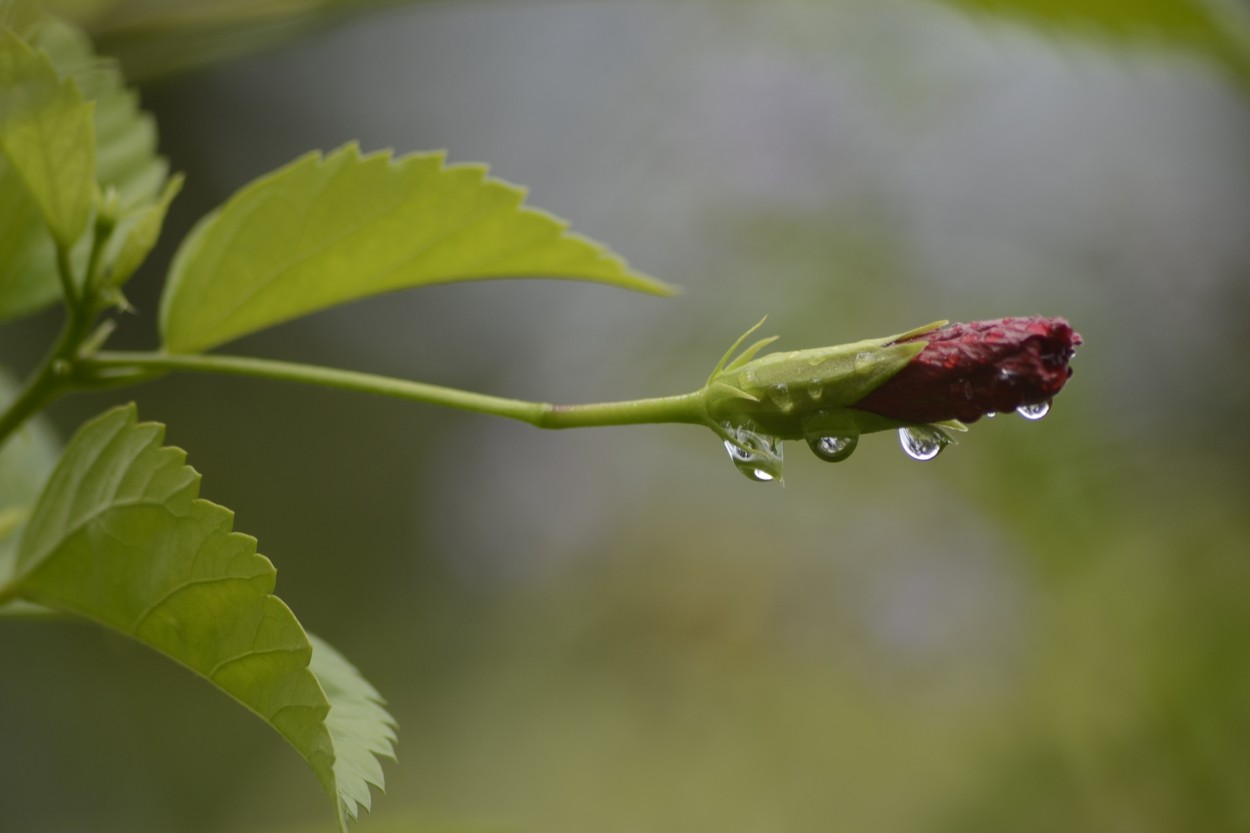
(815, 390)
(923, 442)
(757, 456)
(831, 435)
(1034, 411)
(833, 448)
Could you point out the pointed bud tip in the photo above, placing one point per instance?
(969, 370)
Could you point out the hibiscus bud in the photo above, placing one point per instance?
(922, 383)
(966, 371)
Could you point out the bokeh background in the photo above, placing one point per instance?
(1044, 629)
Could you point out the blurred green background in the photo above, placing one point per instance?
(612, 630)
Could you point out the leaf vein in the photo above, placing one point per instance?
(174, 591)
(244, 298)
(212, 675)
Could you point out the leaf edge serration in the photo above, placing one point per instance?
(183, 298)
(306, 718)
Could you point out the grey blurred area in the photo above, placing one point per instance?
(612, 630)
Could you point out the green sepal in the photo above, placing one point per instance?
(780, 392)
(733, 348)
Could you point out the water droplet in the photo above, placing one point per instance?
(865, 360)
(780, 394)
(991, 414)
(833, 448)
(758, 456)
(815, 390)
(1034, 411)
(923, 442)
(831, 435)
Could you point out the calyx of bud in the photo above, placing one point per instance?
(784, 394)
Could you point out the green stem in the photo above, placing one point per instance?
(92, 277)
(686, 408)
(55, 375)
(65, 272)
(48, 381)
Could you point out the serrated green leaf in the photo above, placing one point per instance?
(360, 726)
(28, 280)
(26, 461)
(120, 536)
(47, 135)
(326, 230)
(125, 135)
(27, 258)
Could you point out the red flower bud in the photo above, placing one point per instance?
(970, 370)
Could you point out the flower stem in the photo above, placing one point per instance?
(686, 408)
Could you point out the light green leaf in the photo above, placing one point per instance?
(26, 460)
(136, 234)
(1213, 28)
(28, 280)
(326, 230)
(360, 726)
(19, 15)
(120, 536)
(126, 157)
(47, 136)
